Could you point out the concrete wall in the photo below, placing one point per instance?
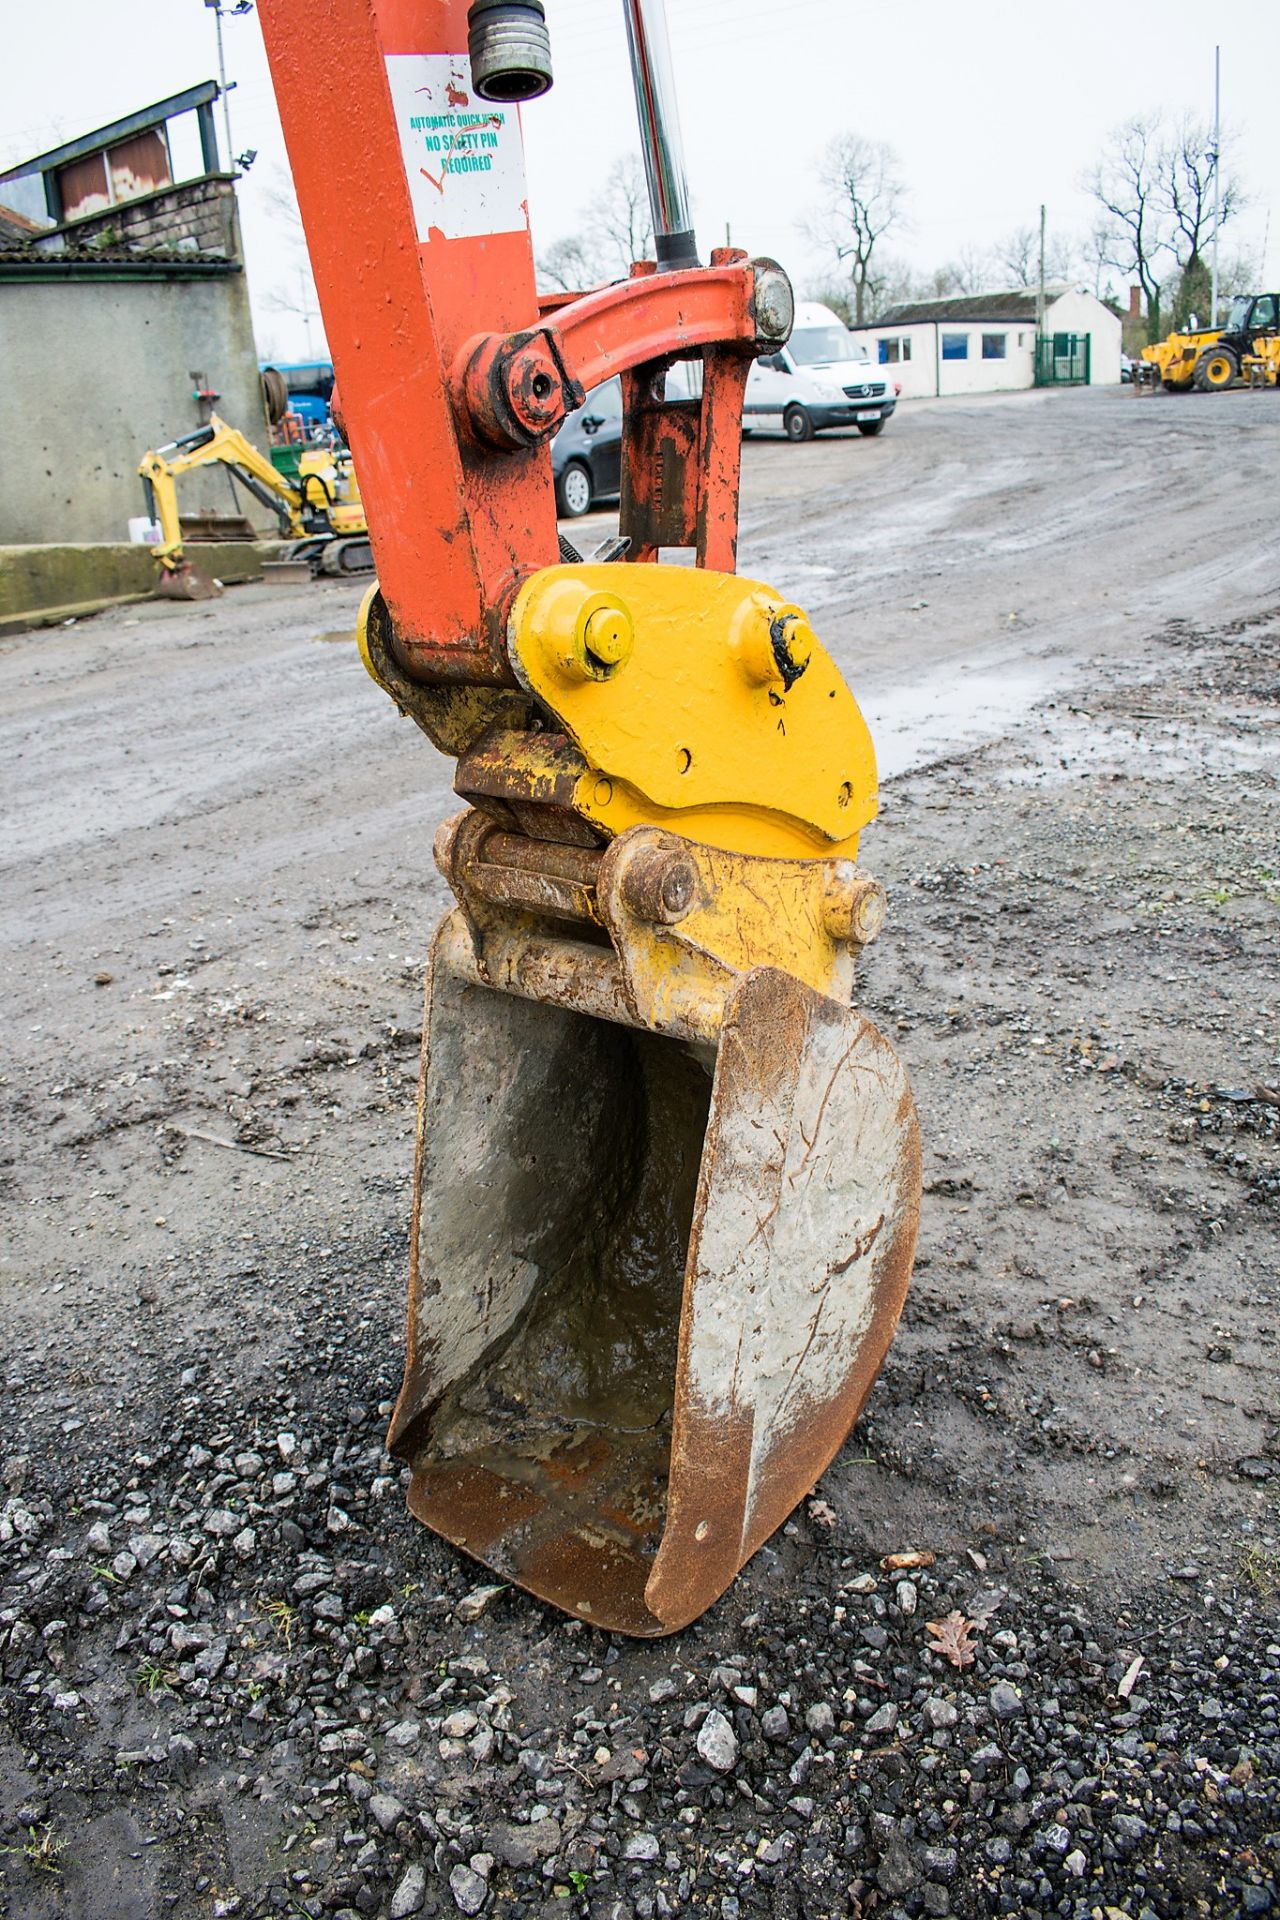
(96, 370)
(47, 583)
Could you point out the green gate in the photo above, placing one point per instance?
(1062, 360)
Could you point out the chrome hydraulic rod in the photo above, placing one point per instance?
(660, 140)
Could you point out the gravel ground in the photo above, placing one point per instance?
(237, 1679)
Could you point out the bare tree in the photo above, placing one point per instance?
(622, 217)
(295, 293)
(1098, 267)
(569, 264)
(1239, 272)
(973, 270)
(1136, 228)
(864, 198)
(300, 300)
(1156, 188)
(1190, 161)
(616, 229)
(891, 282)
(1017, 257)
(834, 294)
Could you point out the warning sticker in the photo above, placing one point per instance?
(463, 155)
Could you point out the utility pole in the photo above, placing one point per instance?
(1040, 294)
(1217, 172)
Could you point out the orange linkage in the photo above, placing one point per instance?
(452, 377)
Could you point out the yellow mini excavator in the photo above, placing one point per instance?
(321, 515)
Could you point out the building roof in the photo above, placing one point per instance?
(132, 123)
(1018, 305)
(16, 226)
(21, 260)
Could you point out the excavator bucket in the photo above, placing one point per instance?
(186, 583)
(652, 1280)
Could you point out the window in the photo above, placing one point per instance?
(821, 346)
(605, 401)
(314, 377)
(124, 172)
(993, 345)
(889, 353)
(955, 346)
(906, 347)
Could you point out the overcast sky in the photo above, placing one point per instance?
(992, 105)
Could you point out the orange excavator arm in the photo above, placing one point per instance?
(451, 381)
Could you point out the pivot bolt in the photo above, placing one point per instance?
(534, 389)
(772, 644)
(583, 635)
(853, 909)
(660, 886)
(775, 303)
(608, 635)
(791, 638)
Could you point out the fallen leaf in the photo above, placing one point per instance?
(983, 1604)
(1131, 1678)
(951, 1636)
(824, 1515)
(900, 1562)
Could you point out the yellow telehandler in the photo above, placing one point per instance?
(1261, 368)
(1210, 359)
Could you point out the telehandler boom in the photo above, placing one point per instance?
(668, 1177)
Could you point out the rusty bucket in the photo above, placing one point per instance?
(652, 1278)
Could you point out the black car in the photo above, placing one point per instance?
(586, 454)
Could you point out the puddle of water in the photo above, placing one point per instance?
(1074, 744)
(913, 725)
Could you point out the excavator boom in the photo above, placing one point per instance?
(668, 1176)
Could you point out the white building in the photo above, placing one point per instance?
(986, 342)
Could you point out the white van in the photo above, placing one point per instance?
(823, 377)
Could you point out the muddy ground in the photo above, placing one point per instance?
(235, 1675)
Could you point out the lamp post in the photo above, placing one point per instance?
(1217, 185)
(218, 9)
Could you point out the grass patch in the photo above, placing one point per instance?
(1260, 1566)
(42, 1850)
(151, 1678)
(283, 1618)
